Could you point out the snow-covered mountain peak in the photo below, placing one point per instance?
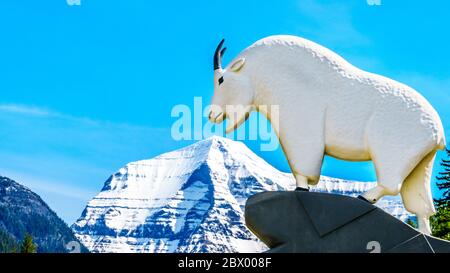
(190, 200)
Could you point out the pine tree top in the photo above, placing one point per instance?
(27, 245)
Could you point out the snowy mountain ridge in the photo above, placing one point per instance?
(192, 200)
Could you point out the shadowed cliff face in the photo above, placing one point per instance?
(22, 211)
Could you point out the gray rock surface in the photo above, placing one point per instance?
(294, 221)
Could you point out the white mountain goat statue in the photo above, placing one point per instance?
(329, 107)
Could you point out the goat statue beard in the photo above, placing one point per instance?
(236, 118)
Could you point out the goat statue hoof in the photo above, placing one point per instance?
(364, 199)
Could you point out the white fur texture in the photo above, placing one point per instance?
(328, 106)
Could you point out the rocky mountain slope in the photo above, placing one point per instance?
(23, 211)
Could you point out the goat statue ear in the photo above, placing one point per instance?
(237, 65)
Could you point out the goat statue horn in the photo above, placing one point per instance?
(218, 55)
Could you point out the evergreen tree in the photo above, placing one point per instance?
(411, 223)
(7, 242)
(27, 245)
(444, 182)
(440, 222)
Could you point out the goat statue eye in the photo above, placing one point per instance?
(220, 80)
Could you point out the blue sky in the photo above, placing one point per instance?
(86, 89)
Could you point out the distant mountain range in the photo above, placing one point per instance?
(192, 200)
(23, 211)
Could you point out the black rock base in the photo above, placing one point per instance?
(300, 221)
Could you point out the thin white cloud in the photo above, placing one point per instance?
(41, 185)
(45, 113)
(67, 158)
(26, 110)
